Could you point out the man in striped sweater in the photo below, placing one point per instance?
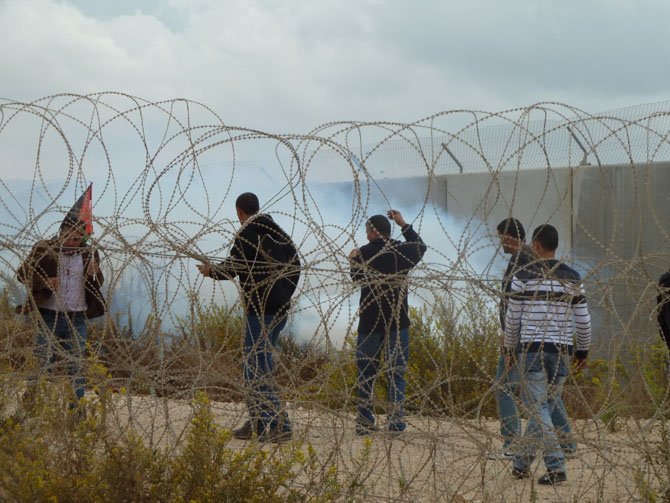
(546, 312)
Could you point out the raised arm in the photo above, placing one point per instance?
(414, 248)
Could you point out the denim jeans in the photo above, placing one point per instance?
(542, 375)
(261, 337)
(559, 417)
(507, 382)
(63, 338)
(396, 353)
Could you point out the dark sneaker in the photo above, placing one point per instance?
(570, 453)
(275, 436)
(365, 429)
(520, 474)
(245, 432)
(552, 478)
(398, 427)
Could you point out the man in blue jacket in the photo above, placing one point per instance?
(381, 268)
(266, 262)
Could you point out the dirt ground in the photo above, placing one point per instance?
(434, 460)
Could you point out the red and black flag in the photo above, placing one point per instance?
(82, 211)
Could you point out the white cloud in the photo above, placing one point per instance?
(292, 64)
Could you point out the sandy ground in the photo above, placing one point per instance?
(434, 460)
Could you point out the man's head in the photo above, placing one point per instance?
(247, 205)
(545, 241)
(511, 234)
(71, 232)
(378, 226)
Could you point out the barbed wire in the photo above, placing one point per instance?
(165, 177)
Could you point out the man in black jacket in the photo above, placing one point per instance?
(663, 300)
(381, 268)
(267, 264)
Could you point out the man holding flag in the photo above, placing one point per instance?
(63, 279)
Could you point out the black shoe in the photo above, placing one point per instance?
(397, 427)
(551, 478)
(520, 474)
(365, 429)
(570, 453)
(275, 436)
(246, 431)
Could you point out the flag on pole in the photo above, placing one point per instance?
(82, 211)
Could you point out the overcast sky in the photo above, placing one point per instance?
(291, 65)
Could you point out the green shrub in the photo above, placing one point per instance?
(53, 455)
(453, 355)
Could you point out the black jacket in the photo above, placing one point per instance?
(266, 261)
(663, 300)
(381, 270)
(43, 262)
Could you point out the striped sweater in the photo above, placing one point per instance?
(547, 310)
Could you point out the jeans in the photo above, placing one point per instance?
(63, 337)
(507, 382)
(261, 337)
(396, 353)
(542, 375)
(559, 417)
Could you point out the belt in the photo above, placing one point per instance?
(66, 314)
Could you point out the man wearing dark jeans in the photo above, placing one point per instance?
(381, 268)
(512, 237)
(663, 314)
(267, 264)
(63, 279)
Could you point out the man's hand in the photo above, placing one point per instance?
(205, 269)
(396, 216)
(355, 254)
(53, 284)
(93, 268)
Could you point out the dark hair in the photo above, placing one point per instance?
(512, 227)
(381, 224)
(248, 203)
(547, 236)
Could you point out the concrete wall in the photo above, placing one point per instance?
(613, 222)
(614, 225)
(533, 196)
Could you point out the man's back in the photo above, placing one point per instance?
(382, 273)
(267, 263)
